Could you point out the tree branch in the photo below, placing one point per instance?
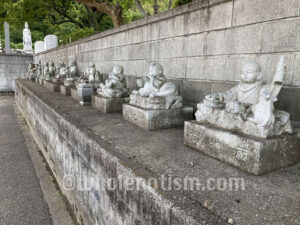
(140, 8)
(115, 12)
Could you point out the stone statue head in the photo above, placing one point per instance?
(73, 63)
(156, 69)
(92, 65)
(117, 69)
(46, 63)
(52, 64)
(251, 72)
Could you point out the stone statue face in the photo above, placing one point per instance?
(251, 72)
(118, 69)
(156, 69)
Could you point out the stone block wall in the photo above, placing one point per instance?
(12, 66)
(201, 45)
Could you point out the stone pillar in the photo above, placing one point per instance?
(7, 38)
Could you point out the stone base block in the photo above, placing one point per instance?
(108, 105)
(74, 94)
(254, 155)
(65, 90)
(156, 119)
(54, 87)
(40, 81)
(85, 92)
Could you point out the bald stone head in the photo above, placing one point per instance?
(156, 69)
(251, 72)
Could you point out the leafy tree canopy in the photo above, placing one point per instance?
(74, 19)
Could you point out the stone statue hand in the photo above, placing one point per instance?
(152, 95)
(233, 107)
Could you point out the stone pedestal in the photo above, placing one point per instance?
(74, 94)
(251, 154)
(150, 119)
(45, 83)
(55, 87)
(40, 81)
(37, 80)
(65, 90)
(108, 105)
(85, 92)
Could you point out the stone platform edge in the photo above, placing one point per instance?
(58, 135)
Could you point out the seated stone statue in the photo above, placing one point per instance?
(39, 69)
(155, 85)
(32, 71)
(46, 71)
(71, 75)
(249, 106)
(115, 85)
(91, 76)
(51, 72)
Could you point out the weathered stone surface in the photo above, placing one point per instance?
(108, 105)
(65, 90)
(156, 103)
(156, 119)
(12, 67)
(255, 11)
(54, 87)
(257, 156)
(85, 92)
(85, 143)
(281, 36)
(74, 94)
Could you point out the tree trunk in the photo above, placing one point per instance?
(114, 12)
(155, 8)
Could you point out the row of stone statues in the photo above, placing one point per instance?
(246, 109)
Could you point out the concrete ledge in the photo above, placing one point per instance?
(85, 143)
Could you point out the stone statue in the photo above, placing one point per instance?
(115, 85)
(155, 85)
(249, 106)
(46, 70)
(39, 69)
(71, 75)
(27, 42)
(91, 76)
(52, 71)
(32, 71)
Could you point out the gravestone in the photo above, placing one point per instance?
(51, 41)
(39, 46)
(7, 38)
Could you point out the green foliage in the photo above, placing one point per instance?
(67, 19)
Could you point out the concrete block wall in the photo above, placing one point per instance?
(12, 67)
(202, 44)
